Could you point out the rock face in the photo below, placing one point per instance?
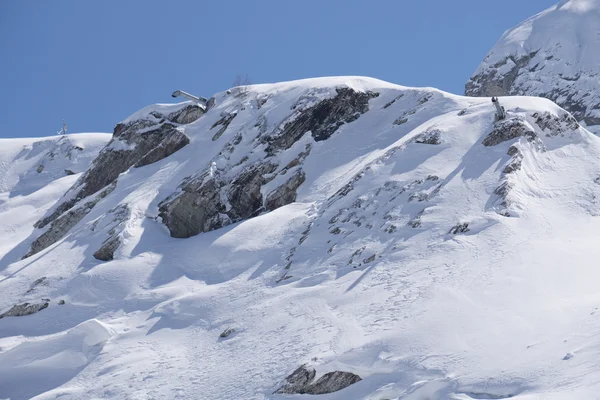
(509, 129)
(286, 193)
(537, 59)
(322, 120)
(301, 382)
(66, 221)
(213, 199)
(20, 310)
(117, 218)
(135, 143)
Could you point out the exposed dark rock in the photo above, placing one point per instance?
(40, 168)
(244, 196)
(322, 120)
(369, 259)
(226, 333)
(65, 222)
(120, 215)
(554, 125)
(507, 130)
(460, 228)
(298, 160)
(201, 207)
(301, 382)
(198, 209)
(333, 382)
(431, 136)
(491, 83)
(61, 302)
(169, 145)
(69, 172)
(286, 193)
(186, 115)
(223, 123)
(20, 310)
(127, 148)
(513, 166)
(513, 151)
(107, 251)
(41, 281)
(297, 381)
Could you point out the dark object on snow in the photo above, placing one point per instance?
(20, 310)
(300, 382)
(500, 112)
(227, 332)
(460, 228)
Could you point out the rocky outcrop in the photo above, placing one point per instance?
(507, 130)
(209, 202)
(459, 228)
(499, 79)
(554, 125)
(136, 143)
(301, 382)
(431, 136)
(107, 251)
(63, 224)
(286, 193)
(215, 198)
(322, 119)
(226, 333)
(20, 310)
(117, 219)
(298, 381)
(536, 59)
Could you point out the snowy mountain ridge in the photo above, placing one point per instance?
(554, 54)
(398, 242)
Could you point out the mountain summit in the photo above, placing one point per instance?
(343, 238)
(555, 54)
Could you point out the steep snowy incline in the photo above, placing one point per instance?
(398, 242)
(555, 54)
(34, 174)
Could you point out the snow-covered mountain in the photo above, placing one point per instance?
(363, 239)
(555, 54)
(34, 174)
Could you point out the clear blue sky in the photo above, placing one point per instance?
(95, 62)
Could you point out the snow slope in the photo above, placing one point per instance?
(555, 54)
(431, 251)
(34, 174)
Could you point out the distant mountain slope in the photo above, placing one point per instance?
(398, 242)
(34, 174)
(555, 54)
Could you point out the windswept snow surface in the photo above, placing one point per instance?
(377, 285)
(34, 174)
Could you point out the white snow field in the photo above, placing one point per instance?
(360, 274)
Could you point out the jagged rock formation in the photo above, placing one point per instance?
(136, 142)
(211, 200)
(65, 222)
(20, 310)
(541, 58)
(301, 382)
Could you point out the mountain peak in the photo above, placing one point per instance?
(554, 54)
